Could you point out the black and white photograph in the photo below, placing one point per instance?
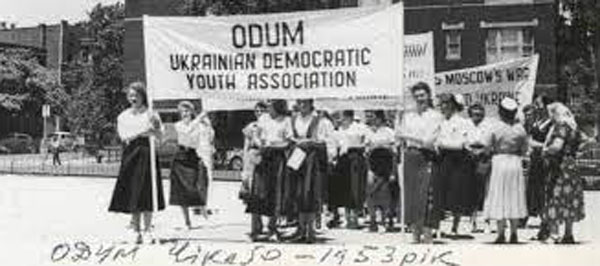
(300, 132)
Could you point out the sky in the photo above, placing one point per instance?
(25, 13)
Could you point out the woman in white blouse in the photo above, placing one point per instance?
(266, 197)
(454, 185)
(188, 177)
(133, 190)
(380, 146)
(347, 185)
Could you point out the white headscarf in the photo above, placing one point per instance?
(561, 113)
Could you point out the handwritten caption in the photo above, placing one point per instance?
(190, 253)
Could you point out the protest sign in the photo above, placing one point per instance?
(323, 54)
(488, 84)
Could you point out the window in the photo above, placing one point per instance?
(453, 47)
(508, 43)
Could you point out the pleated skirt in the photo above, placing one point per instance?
(506, 196)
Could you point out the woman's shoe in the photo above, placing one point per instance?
(373, 228)
(568, 239)
(333, 224)
(513, 239)
(500, 240)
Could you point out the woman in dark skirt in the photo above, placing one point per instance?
(266, 192)
(454, 187)
(311, 134)
(381, 176)
(188, 173)
(538, 125)
(347, 185)
(133, 190)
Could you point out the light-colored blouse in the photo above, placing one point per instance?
(196, 134)
(481, 133)
(382, 137)
(274, 132)
(453, 132)
(423, 126)
(353, 136)
(509, 139)
(131, 125)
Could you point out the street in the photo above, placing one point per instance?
(39, 212)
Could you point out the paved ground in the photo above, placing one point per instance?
(43, 218)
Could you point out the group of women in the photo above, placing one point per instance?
(190, 171)
(296, 164)
(300, 163)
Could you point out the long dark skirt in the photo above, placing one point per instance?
(482, 168)
(537, 176)
(454, 186)
(133, 190)
(417, 178)
(189, 179)
(305, 187)
(347, 185)
(379, 191)
(266, 191)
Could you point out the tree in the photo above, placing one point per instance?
(27, 85)
(578, 48)
(96, 86)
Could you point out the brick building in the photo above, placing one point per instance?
(467, 33)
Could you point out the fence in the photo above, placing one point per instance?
(82, 164)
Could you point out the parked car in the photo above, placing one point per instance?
(229, 159)
(67, 141)
(18, 143)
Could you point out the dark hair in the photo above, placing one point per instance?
(348, 113)
(528, 108)
(310, 102)
(506, 114)
(260, 104)
(380, 114)
(421, 86)
(545, 99)
(474, 107)
(140, 90)
(449, 98)
(280, 106)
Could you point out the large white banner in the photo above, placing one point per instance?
(488, 84)
(334, 53)
(418, 66)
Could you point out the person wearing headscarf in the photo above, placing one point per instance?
(505, 199)
(454, 185)
(188, 172)
(347, 184)
(133, 190)
(266, 192)
(380, 144)
(417, 131)
(537, 124)
(310, 136)
(564, 204)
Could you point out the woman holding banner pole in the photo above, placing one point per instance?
(188, 171)
(133, 190)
